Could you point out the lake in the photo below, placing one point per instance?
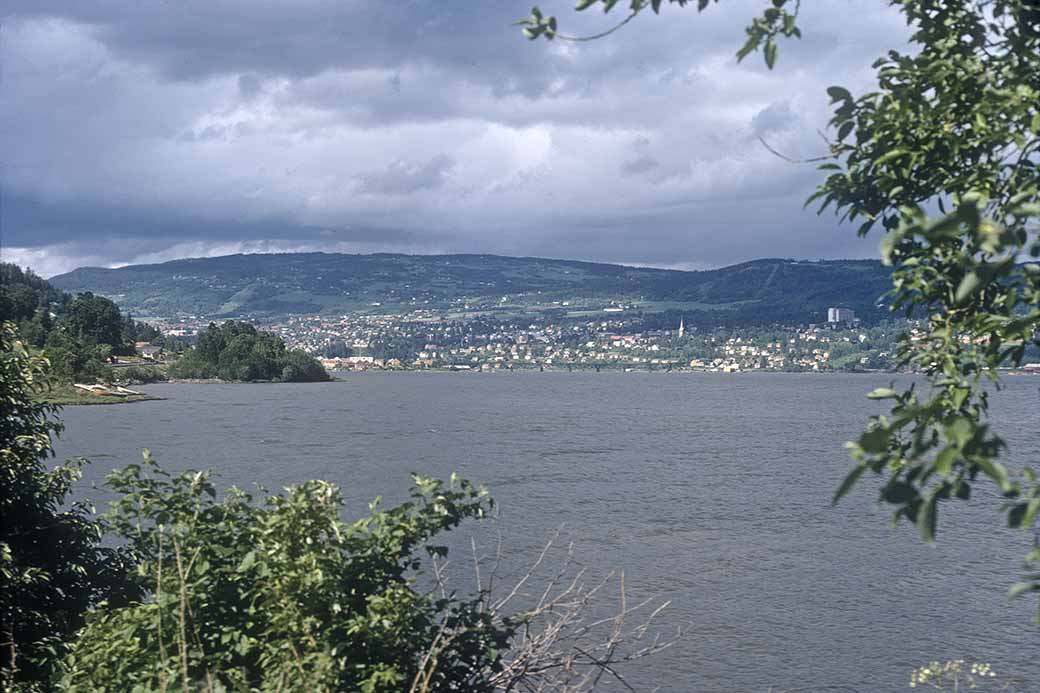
(709, 490)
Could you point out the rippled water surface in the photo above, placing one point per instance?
(711, 491)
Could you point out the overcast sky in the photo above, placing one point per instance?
(146, 130)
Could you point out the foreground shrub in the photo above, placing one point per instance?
(52, 568)
(282, 594)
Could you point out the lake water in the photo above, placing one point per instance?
(709, 490)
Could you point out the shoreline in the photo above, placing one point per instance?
(75, 399)
(640, 371)
(218, 381)
(602, 371)
(343, 376)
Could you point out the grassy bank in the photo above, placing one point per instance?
(66, 395)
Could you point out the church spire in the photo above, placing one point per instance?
(682, 327)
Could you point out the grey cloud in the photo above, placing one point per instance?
(640, 164)
(774, 117)
(249, 85)
(195, 39)
(403, 177)
(203, 124)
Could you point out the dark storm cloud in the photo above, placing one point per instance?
(143, 130)
(26, 221)
(194, 39)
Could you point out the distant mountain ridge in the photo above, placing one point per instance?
(259, 285)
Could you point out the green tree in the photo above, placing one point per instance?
(300, 367)
(71, 359)
(944, 157)
(134, 331)
(18, 302)
(238, 351)
(52, 567)
(22, 293)
(78, 335)
(211, 342)
(96, 319)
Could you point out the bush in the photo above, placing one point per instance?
(283, 595)
(138, 374)
(52, 567)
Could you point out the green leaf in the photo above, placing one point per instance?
(960, 431)
(996, 472)
(1029, 514)
(968, 287)
(898, 493)
(889, 156)
(875, 440)
(749, 45)
(882, 393)
(770, 54)
(839, 94)
(1023, 514)
(848, 483)
(247, 562)
(926, 518)
(1020, 588)
(945, 459)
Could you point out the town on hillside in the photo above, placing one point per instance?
(423, 339)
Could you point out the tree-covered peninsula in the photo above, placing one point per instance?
(85, 338)
(238, 351)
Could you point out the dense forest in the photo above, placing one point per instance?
(238, 351)
(79, 334)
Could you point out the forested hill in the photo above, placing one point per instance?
(279, 284)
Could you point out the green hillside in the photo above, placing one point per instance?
(278, 284)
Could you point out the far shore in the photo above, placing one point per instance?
(601, 371)
(340, 375)
(68, 396)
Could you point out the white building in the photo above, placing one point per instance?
(840, 315)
